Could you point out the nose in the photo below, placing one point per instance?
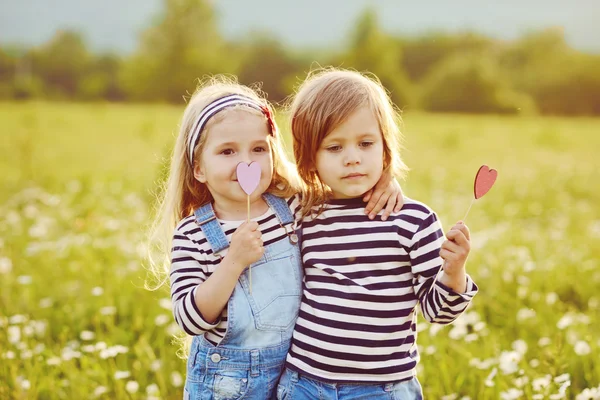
(246, 157)
(351, 157)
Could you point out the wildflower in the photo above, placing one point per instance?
(489, 381)
(97, 291)
(132, 386)
(509, 362)
(511, 394)
(161, 319)
(582, 348)
(87, 335)
(100, 390)
(24, 280)
(122, 374)
(544, 341)
(176, 379)
(5, 265)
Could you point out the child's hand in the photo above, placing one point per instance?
(387, 190)
(246, 245)
(455, 251)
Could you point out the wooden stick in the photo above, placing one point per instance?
(250, 266)
(470, 205)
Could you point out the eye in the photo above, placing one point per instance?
(333, 148)
(260, 149)
(366, 143)
(226, 152)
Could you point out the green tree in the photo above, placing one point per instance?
(472, 83)
(423, 53)
(8, 67)
(101, 81)
(181, 46)
(574, 91)
(559, 79)
(373, 50)
(265, 60)
(61, 63)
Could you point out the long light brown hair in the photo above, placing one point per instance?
(325, 100)
(181, 193)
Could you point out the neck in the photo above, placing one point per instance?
(237, 211)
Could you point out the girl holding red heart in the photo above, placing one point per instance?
(355, 336)
(241, 322)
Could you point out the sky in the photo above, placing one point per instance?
(114, 25)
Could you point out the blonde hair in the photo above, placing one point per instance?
(325, 100)
(181, 194)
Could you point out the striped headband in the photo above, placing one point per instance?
(214, 108)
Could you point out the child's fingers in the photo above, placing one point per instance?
(399, 202)
(448, 255)
(463, 228)
(458, 237)
(367, 197)
(252, 225)
(374, 206)
(379, 203)
(451, 246)
(389, 207)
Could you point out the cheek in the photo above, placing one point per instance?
(320, 160)
(267, 167)
(382, 154)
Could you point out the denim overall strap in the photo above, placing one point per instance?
(281, 208)
(206, 218)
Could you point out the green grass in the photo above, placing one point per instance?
(76, 197)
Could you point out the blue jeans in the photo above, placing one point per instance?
(216, 373)
(293, 386)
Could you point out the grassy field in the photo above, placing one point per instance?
(76, 195)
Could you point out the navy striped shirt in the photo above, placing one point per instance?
(363, 282)
(192, 262)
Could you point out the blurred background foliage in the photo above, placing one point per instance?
(443, 72)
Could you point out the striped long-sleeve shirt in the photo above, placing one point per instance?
(192, 262)
(363, 281)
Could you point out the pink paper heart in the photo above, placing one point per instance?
(484, 180)
(248, 176)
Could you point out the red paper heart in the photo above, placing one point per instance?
(484, 180)
(248, 176)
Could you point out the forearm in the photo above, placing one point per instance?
(456, 282)
(213, 294)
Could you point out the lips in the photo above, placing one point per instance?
(353, 176)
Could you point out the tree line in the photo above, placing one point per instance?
(441, 72)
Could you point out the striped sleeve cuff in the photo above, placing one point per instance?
(192, 319)
(453, 297)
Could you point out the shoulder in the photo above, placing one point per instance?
(187, 230)
(186, 225)
(416, 214)
(188, 236)
(416, 209)
(295, 202)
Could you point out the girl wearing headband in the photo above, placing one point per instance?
(241, 334)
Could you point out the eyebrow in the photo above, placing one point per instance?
(360, 136)
(227, 144)
(231, 144)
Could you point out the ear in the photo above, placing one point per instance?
(199, 172)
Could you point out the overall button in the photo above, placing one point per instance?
(215, 358)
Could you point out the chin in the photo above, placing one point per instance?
(350, 194)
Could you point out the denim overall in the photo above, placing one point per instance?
(248, 361)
